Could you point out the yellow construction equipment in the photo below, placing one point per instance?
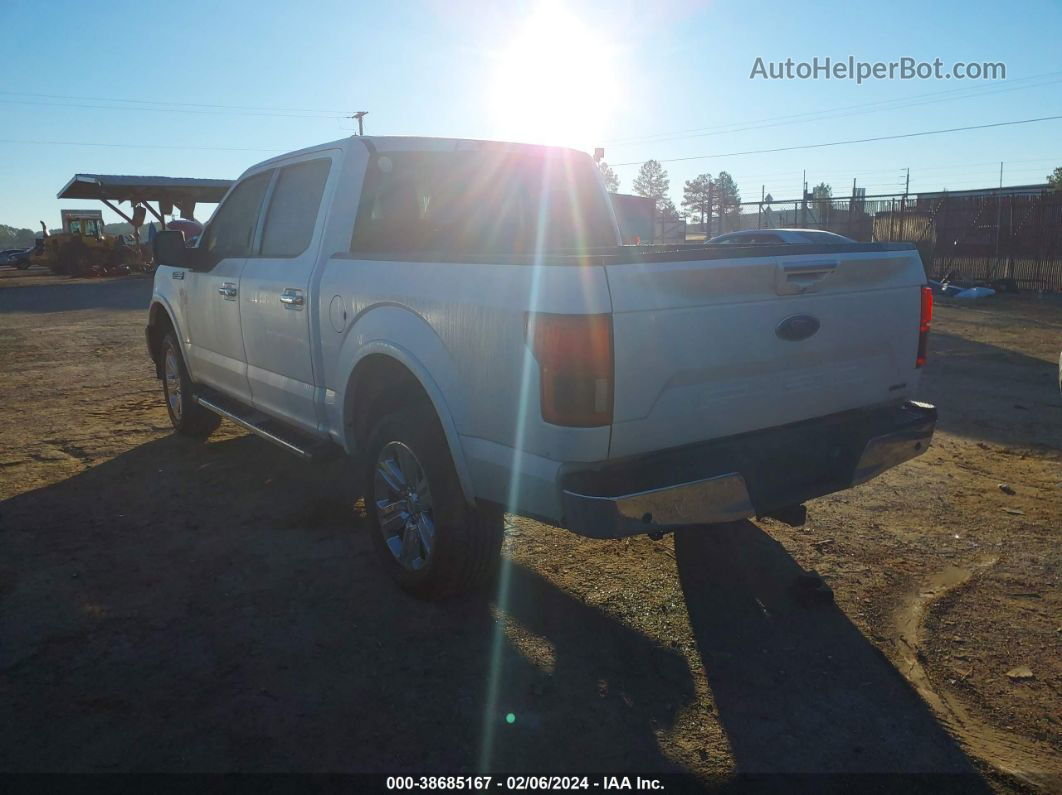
(82, 247)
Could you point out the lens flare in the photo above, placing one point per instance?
(556, 82)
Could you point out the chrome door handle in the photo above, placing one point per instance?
(228, 289)
(292, 298)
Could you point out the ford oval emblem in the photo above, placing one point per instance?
(797, 327)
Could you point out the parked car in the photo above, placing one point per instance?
(765, 237)
(460, 319)
(16, 257)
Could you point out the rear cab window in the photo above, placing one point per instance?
(471, 204)
(293, 208)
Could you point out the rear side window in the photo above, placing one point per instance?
(293, 208)
(231, 231)
(481, 203)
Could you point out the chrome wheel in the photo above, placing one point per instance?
(404, 506)
(172, 373)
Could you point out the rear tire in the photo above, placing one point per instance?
(186, 416)
(429, 539)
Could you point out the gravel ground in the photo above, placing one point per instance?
(173, 606)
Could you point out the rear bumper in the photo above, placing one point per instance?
(741, 476)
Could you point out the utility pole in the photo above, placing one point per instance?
(711, 197)
(999, 211)
(804, 198)
(903, 203)
(851, 206)
(359, 115)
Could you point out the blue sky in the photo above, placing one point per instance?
(520, 71)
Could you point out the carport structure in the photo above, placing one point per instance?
(167, 192)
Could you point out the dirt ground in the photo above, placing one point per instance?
(173, 606)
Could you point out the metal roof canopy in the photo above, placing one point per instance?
(171, 190)
(168, 192)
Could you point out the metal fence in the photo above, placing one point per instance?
(980, 237)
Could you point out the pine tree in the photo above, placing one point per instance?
(668, 211)
(727, 198)
(820, 199)
(612, 182)
(822, 191)
(653, 183)
(697, 197)
(1054, 180)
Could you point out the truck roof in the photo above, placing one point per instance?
(413, 143)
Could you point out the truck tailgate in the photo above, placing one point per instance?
(714, 347)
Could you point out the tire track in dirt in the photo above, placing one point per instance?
(1020, 757)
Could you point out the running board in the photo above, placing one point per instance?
(260, 425)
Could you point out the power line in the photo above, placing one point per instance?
(844, 172)
(820, 115)
(139, 146)
(167, 102)
(851, 141)
(88, 106)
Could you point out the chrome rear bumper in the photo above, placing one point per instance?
(723, 498)
(727, 497)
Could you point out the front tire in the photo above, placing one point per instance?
(186, 416)
(430, 541)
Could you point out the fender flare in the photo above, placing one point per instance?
(159, 304)
(420, 372)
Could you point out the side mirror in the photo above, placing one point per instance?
(169, 250)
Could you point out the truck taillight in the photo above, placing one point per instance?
(923, 325)
(574, 354)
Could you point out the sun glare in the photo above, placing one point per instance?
(556, 82)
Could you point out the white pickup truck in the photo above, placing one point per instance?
(460, 318)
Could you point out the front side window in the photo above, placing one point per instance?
(232, 231)
(293, 208)
(481, 203)
(75, 227)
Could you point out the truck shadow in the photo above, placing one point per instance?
(797, 686)
(189, 607)
(992, 394)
